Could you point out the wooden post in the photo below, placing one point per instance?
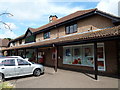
(16, 52)
(95, 61)
(37, 54)
(24, 52)
(118, 58)
(56, 59)
(10, 53)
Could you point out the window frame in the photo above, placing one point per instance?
(27, 38)
(3, 62)
(82, 55)
(46, 35)
(20, 41)
(71, 28)
(22, 64)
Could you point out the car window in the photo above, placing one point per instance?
(1, 64)
(10, 62)
(22, 62)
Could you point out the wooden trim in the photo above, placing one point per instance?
(118, 57)
(37, 54)
(95, 60)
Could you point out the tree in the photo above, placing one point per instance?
(5, 24)
(8, 39)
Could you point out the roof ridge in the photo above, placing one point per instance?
(66, 16)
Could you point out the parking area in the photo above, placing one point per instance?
(64, 79)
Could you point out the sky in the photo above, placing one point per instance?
(35, 13)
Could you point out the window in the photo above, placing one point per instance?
(20, 42)
(10, 62)
(46, 35)
(30, 39)
(13, 43)
(22, 62)
(84, 55)
(100, 56)
(71, 28)
(88, 58)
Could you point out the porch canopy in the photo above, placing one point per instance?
(98, 34)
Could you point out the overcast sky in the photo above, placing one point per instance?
(35, 13)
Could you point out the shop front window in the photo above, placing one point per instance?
(67, 55)
(88, 55)
(31, 55)
(84, 55)
(77, 57)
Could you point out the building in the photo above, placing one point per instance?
(3, 44)
(83, 41)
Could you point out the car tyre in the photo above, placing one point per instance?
(2, 79)
(37, 72)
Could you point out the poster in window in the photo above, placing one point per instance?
(67, 52)
(76, 51)
(88, 52)
(100, 65)
(88, 56)
(100, 52)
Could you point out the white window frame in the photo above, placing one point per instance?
(103, 56)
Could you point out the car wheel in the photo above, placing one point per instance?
(37, 72)
(2, 79)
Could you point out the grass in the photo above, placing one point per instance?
(6, 85)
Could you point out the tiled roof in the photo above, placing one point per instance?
(63, 19)
(4, 42)
(18, 37)
(68, 17)
(114, 31)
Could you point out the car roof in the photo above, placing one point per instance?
(14, 56)
(5, 58)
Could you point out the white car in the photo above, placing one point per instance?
(14, 67)
(17, 57)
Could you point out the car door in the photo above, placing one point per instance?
(9, 67)
(23, 67)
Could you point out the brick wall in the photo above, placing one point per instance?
(111, 56)
(48, 57)
(39, 37)
(96, 22)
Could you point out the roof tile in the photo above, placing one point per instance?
(114, 31)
